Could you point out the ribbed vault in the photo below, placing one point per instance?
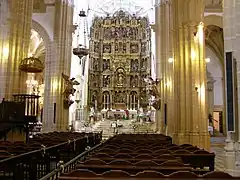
(214, 40)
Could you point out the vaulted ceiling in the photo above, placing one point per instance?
(214, 40)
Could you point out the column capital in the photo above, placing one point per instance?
(162, 2)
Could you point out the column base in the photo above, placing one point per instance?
(201, 140)
(232, 157)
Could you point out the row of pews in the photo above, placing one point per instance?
(145, 156)
(38, 157)
(9, 149)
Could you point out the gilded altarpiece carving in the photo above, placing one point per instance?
(119, 61)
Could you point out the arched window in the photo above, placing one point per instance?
(106, 100)
(133, 100)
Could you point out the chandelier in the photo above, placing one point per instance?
(31, 65)
(82, 50)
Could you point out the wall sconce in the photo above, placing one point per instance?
(5, 52)
(196, 88)
(170, 60)
(193, 54)
(210, 89)
(207, 60)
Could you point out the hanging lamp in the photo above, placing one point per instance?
(82, 50)
(31, 65)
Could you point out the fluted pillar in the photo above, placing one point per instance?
(156, 29)
(190, 105)
(58, 61)
(164, 66)
(15, 21)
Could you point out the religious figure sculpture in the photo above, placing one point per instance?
(69, 90)
(120, 78)
(152, 90)
(92, 112)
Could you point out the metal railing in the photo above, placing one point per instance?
(36, 164)
(71, 165)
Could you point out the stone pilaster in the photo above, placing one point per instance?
(16, 18)
(158, 67)
(190, 105)
(58, 61)
(231, 25)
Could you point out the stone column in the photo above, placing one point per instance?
(190, 106)
(15, 21)
(58, 61)
(164, 52)
(231, 25)
(160, 32)
(155, 28)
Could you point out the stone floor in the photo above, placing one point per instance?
(217, 146)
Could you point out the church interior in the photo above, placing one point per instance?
(119, 89)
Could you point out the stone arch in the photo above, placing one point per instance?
(215, 41)
(213, 20)
(42, 32)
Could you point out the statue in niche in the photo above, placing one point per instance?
(133, 81)
(144, 35)
(120, 78)
(124, 48)
(134, 65)
(106, 81)
(106, 64)
(134, 33)
(120, 47)
(69, 90)
(143, 63)
(134, 48)
(96, 47)
(116, 47)
(128, 31)
(107, 48)
(112, 32)
(95, 64)
(107, 33)
(143, 48)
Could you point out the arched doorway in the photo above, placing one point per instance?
(215, 77)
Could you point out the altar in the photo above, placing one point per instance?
(119, 114)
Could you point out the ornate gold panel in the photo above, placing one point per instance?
(120, 60)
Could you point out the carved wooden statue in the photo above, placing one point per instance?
(69, 90)
(153, 91)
